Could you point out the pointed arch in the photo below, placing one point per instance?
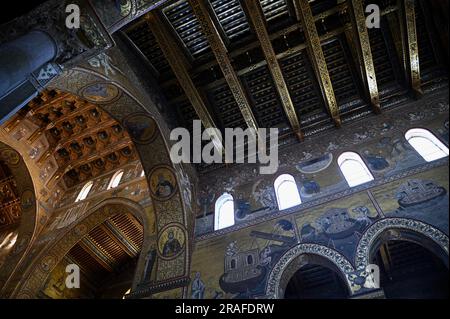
(115, 179)
(40, 268)
(82, 195)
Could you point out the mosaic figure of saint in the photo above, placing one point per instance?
(198, 287)
(164, 187)
(172, 245)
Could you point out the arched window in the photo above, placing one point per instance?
(84, 191)
(354, 169)
(426, 144)
(115, 180)
(286, 191)
(126, 293)
(224, 212)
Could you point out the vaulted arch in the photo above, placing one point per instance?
(400, 228)
(297, 257)
(169, 185)
(33, 280)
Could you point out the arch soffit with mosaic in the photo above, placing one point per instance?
(369, 237)
(277, 279)
(55, 250)
(141, 118)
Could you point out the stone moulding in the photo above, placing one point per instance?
(273, 289)
(362, 255)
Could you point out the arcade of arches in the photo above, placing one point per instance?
(92, 205)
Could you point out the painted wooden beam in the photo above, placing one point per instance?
(92, 249)
(221, 53)
(304, 14)
(364, 52)
(179, 65)
(258, 22)
(410, 46)
(114, 237)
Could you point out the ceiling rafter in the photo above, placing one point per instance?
(410, 45)
(287, 39)
(126, 240)
(304, 14)
(272, 36)
(221, 53)
(179, 66)
(256, 16)
(364, 52)
(287, 52)
(106, 228)
(90, 247)
(107, 249)
(133, 220)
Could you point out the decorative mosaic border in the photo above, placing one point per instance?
(149, 290)
(363, 250)
(273, 282)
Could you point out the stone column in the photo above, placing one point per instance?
(20, 57)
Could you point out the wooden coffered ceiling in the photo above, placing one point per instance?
(302, 66)
(108, 251)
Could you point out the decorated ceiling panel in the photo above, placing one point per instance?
(294, 52)
(231, 18)
(108, 250)
(186, 27)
